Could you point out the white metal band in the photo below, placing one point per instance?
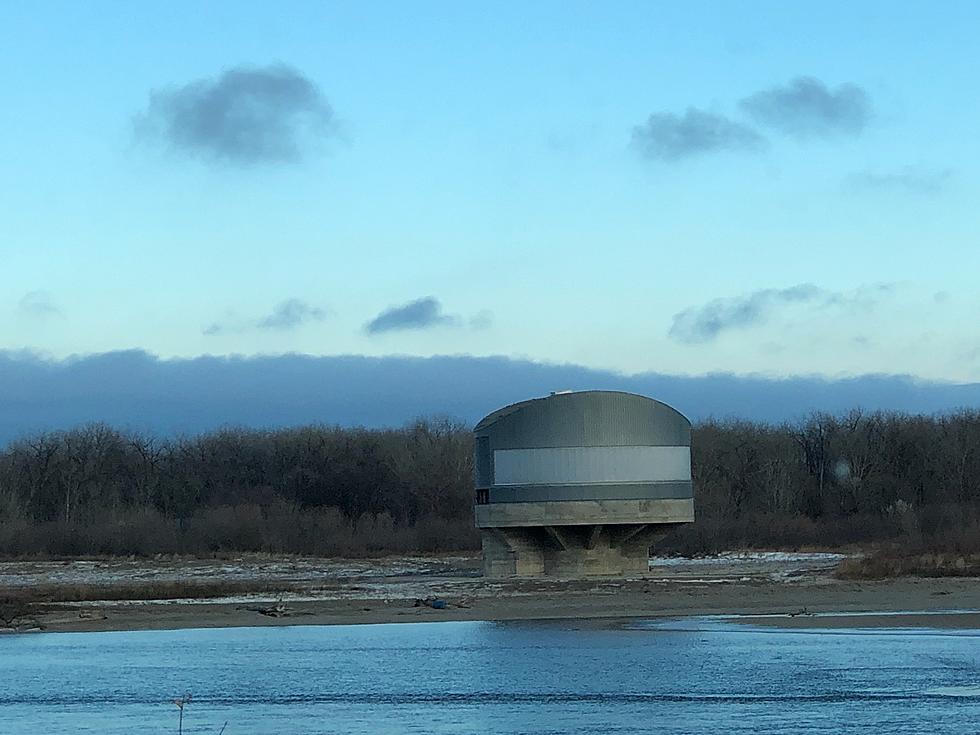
(589, 465)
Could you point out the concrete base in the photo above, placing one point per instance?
(570, 551)
(585, 513)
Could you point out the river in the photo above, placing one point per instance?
(677, 676)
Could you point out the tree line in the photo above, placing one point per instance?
(824, 481)
(838, 480)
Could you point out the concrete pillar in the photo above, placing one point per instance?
(512, 552)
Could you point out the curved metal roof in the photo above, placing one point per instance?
(509, 409)
(586, 418)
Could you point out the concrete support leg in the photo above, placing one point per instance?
(592, 553)
(512, 552)
(557, 537)
(570, 551)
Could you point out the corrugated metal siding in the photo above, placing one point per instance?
(584, 465)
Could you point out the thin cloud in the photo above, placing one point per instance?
(700, 324)
(423, 313)
(669, 137)
(246, 115)
(862, 340)
(215, 329)
(286, 316)
(38, 305)
(481, 320)
(909, 180)
(290, 314)
(806, 107)
(705, 323)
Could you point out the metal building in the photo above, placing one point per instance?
(580, 483)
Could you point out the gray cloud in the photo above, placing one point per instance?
(287, 315)
(422, 313)
(909, 180)
(669, 137)
(38, 305)
(806, 107)
(699, 324)
(246, 115)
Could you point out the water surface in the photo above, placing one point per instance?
(684, 676)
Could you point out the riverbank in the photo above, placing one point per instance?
(774, 604)
(775, 588)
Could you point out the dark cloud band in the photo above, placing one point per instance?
(137, 390)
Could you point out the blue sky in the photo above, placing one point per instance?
(754, 188)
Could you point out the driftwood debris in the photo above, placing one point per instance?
(438, 603)
(18, 620)
(278, 610)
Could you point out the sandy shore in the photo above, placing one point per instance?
(767, 603)
(796, 590)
